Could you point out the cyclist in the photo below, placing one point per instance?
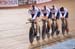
(35, 13)
(64, 14)
(46, 16)
(55, 15)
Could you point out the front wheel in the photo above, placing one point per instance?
(43, 31)
(31, 35)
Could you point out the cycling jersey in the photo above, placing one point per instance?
(64, 13)
(46, 12)
(55, 12)
(35, 12)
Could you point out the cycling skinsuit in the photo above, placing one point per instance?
(64, 13)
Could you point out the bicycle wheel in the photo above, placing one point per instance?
(47, 31)
(57, 31)
(31, 35)
(43, 31)
(53, 29)
(63, 28)
(66, 28)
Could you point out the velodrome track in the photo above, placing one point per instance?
(14, 30)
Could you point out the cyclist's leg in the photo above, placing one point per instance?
(37, 23)
(48, 28)
(49, 20)
(57, 23)
(37, 29)
(66, 20)
(49, 23)
(58, 27)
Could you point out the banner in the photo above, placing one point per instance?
(8, 3)
(42, 1)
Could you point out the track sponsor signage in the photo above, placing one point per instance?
(8, 3)
(42, 1)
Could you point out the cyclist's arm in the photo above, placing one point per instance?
(60, 14)
(56, 11)
(35, 15)
(42, 13)
(65, 12)
(48, 12)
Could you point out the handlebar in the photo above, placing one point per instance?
(31, 21)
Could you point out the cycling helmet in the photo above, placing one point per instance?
(33, 7)
(62, 9)
(44, 6)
